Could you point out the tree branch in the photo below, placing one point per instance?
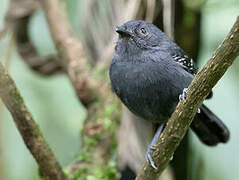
(168, 17)
(28, 129)
(17, 20)
(71, 51)
(99, 131)
(44, 65)
(198, 90)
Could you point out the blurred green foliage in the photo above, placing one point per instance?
(107, 173)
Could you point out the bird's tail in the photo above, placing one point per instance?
(209, 128)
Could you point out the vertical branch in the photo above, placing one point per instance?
(168, 17)
(28, 129)
(150, 11)
(72, 53)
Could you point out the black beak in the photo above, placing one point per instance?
(122, 31)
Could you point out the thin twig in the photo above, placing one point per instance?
(199, 89)
(28, 129)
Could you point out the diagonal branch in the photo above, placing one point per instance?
(71, 51)
(98, 138)
(200, 87)
(28, 129)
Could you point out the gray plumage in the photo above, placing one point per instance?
(148, 73)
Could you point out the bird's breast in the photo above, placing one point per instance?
(142, 89)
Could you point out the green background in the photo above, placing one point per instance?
(57, 110)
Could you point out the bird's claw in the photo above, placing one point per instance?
(149, 158)
(199, 110)
(152, 146)
(183, 95)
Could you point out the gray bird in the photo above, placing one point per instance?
(149, 72)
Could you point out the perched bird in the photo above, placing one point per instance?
(149, 72)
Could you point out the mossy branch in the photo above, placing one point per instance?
(70, 49)
(198, 90)
(28, 129)
(99, 131)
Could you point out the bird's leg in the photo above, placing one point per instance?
(152, 146)
(183, 95)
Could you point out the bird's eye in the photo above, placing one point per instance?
(143, 31)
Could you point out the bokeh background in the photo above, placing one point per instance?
(57, 110)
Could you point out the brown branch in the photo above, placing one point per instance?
(44, 65)
(16, 20)
(103, 116)
(71, 51)
(28, 129)
(7, 64)
(199, 89)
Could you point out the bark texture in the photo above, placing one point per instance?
(198, 90)
(29, 130)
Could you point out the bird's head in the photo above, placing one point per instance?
(138, 35)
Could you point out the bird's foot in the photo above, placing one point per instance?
(149, 158)
(152, 146)
(183, 95)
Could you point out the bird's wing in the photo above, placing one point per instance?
(179, 56)
(186, 62)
